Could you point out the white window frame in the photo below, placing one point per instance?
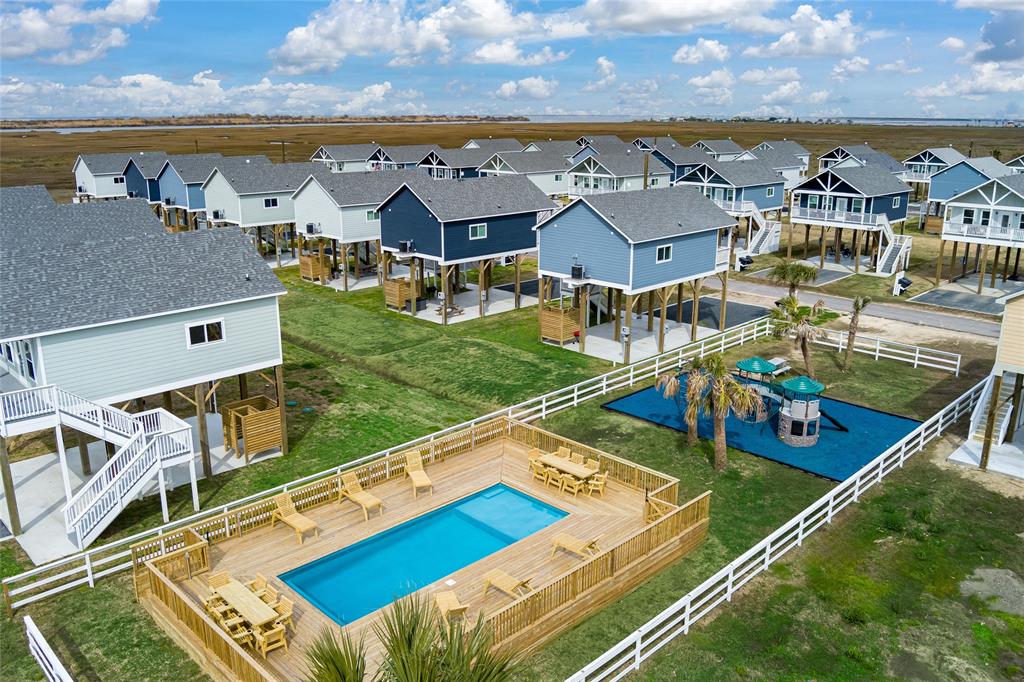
(654, 182)
(483, 236)
(118, 179)
(270, 202)
(896, 202)
(372, 216)
(658, 258)
(769, 192)
(558, 177)
(203, 323)
(812, 199)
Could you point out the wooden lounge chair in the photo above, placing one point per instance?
(571, 484)
(503, 582)
(449, 605)
(563, 452)
(285, 607)
(353, 490)
(581, 548)
(270, 639)
(597, 483)
(286, 514)
(215, 580)
(414, 470)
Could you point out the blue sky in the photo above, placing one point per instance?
(954, 58)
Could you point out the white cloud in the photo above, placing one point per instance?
(899, 66)
(848, 67)
(988, 4)
(770, 75)
(932, 111)
(715, 88)
(770, 111)
(811, 35)
(667, 16)
(703, 50)
(606, 75)
(819, 97)
(68, 32)
(784, 94)
(507, 52)
(534, 87)
(984, 79)
(953, 44)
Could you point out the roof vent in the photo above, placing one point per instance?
(611, 215)
(247, 278)
(680, 223)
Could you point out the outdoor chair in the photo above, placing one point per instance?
(571, 484)
(270, 639)
(449, 605)
(414, 470)
(353, 490)
(215, 580)
(576, 458)
(539, 471)
(584, 549)
(563, 452)
(243, 635)
(285, 607)
(534, 454)
(593, 464)
(597, 483)
(503, 582)
(554, 477)
(257, 585)
(286, 514)
(270, 595)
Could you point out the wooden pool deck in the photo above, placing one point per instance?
(637, 537)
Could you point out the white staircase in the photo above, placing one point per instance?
(147, 443)
(766, 239)
(896, 255)
(1004, 407)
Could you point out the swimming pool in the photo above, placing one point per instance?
(837, 455)
(361, 578)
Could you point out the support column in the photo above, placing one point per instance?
(650, 311)
(723, 303)
(445, 290)
(990, 421)
(995, 266)
(1016, 399)
(679, 302)
(58, 436)
(663, 294)
(519, 279)
(789, 246)
(243, 387)
(821, 254)
(279, 385)
(480, 274)
(9, 494)
(161, 484)
(617, 329)
(204, 436)
(695, 311)
(278, 231)
(83, 454)
(967, 258)
(838, 246)
(629, 320)
(320, 260)
(807, 241)
(379, 264)
(1006, 263)
(584, 309)
(856, 251)
(952, 261)
(938, 262)
(194, 483)
(344, 264)
(981, 273)
(1016, 262)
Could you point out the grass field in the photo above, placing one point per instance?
(374, 378)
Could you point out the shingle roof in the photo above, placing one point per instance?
(463, 158)
(260, 178)
(192, 168)
(990, 166)
(497, 144)
(350, 152)
(55, 288)
(871, 180)
(32, 225)
(24, 196)
(869, 156)
(563, 147)
(721, 146)
(149, 163)
(106, 164)
(658, 141)
(659, 213)
(609, 144)
(629, 163)
(746, 173)
(776, 159)
(788, 146)
(479, 197)
(947, 155)
(1014, 182)
(368, 188)
(408, 153)
(681, 156)
(535, 162)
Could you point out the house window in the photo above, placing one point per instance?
(1006, 220)
(478, 231)
(270, 202)
(119, 180)
(968, 216)
(204, 333)
(812, 201)
(857, 205)
(654, 182)
(770, 192)
(896, 202)
(558, 177)
(986, 217)
(8, 352)
(372, 216)
(29, 362)
(664, 254)
(687, 169)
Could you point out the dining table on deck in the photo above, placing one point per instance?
(566, 466)
(249, 606)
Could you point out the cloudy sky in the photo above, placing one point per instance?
(948, 58)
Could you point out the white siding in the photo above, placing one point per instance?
(105, 186)
(314, 205)
(220, 196)
(546, 182)
(141, 357)
(253, 212)
(355, 227)
(84, 179)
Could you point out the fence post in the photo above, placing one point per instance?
(88, 570)
(637, 649)
(917, 355)
(878, 347)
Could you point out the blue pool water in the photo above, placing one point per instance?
(370, 574)
(837, 455)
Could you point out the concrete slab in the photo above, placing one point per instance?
(826, 276)
(39, 488)
(1006, 459)
(963, 295)
(501, 301)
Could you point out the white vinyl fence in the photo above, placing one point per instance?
(86, 567)
(627, 656)
(52, 668)
(892, 350)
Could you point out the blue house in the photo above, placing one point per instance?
(868, 200)
(964, 175)
(450, 164)
(140, 175)
(680, 159)
(623, 251)
(453, 223)
(180, 181)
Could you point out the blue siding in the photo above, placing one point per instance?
(692, 254)
(759, 195)
(469, 173)
(583, 153)
(134, 182)
(579, 235)
(504, 234)
(154, 189)
(880, 205)
(405, 217)
(196, 196)
(172, 186)
(947, 183)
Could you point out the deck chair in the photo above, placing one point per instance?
(571, 484)
(503, 582)
(285, 607)
(353, 490)
(593, 464)
(286, 514)
(539, 471)
(563, 452)
(243, 635)
(257, 585)
(554, 477)
(414, 470)
(576, 458)
(534, 453)
(215, 580)
(270, 639)
(584, 549)
(449, 605)
(597, 483)
(270, 595)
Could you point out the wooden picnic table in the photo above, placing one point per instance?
(566, 466)
(249, 606)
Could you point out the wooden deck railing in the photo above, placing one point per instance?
(686, 525)
(216, 643)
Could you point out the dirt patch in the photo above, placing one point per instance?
(1000, 588)
(939, 454)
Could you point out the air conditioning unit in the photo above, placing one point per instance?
(168, 201)
(406, 246)
(81, 189)
(218, 215)
(312, 228)
(577, 271)
(131, 194)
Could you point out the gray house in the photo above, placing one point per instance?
(344, 158)
(719, 150)
(100, 176)
(617, 172)
(547, 168)
(625, 248)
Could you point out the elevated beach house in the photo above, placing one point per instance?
(548, 169)
(865, 200)
(719, 150)
(624, 252)
(788, 147)
(681, 160)
(450, 164)
(100, 176)
(344, 158)
(618, 171)
(180, 181)
(397, 157)
(649, 144)
(921, 166)
(790, 167)
(451, 224)
(140, 175)
(599, 144)
(172, 314)
(959, 177)
(853, 155)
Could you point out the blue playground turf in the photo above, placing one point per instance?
(837, 455)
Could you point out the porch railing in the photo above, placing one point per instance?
(991, 232)
(832, 216)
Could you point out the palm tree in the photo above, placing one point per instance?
(792, 274)
(789, 317)
(711, 387)
(859, 304)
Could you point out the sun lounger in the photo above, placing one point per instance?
(353, 490)
(286, 514)
(581, 548)
(503, 582)
(449, 605)
(414, 470)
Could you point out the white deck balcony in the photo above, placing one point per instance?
(820, 216)
(722, 257)
(587, 191)
(983, 234)
(915, 176)
(736, 208)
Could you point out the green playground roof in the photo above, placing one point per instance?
(755, 365)
(803, 384)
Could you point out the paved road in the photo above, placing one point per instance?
(888, 311)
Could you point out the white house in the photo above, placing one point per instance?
(613, 172)
(100, 176)
(789, 147)
(548, 169)
(344, 158)
(783, 162)
(719, 150)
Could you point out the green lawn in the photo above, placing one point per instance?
(371, 378)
